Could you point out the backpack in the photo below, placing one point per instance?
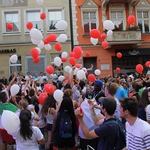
(121, 135)
(65, 130)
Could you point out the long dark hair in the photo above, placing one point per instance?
(34, 101)
(25, 126)
(50, 102)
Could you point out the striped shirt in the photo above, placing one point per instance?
(138, 135)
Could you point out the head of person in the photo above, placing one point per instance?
(108, 105)
(111, 88)
(66, 104)
(35, 102)
(31, 92)
(135, 87)
(129, 106)
(50, 102)
(68, 93)
(3, 97)
(25, 126)
(23, 104)
(98, 85)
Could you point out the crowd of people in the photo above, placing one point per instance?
(95, 110)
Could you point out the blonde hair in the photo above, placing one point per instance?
(23, 104)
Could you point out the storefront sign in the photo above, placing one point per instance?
(4, 51)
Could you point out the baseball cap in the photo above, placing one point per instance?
(99, 83)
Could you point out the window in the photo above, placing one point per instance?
(144, 21)
(117, 19)
(34, 17)
(39, 67)
(53, 17)
(89, 21)
(12, 17)
(17, 67)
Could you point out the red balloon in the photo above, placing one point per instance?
(9, 26)
(63, 59)
(104, 44)
(49, 88)
(34, 53)
(72, 60)
(72, 54)
(43, 16)
(95, 33)
(147, 64)
(29, 25)
(45, 41)
(91, 77)
(78, 66)
(87, 54)
(131, 19)
(36, 60)
(119, 55)
(118, 70)
(58, 46)
(49, 69)
(139, 68)
(42, 98)
(103, 36)
(51, 37)
(78, 52)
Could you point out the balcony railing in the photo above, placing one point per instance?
(125, 36)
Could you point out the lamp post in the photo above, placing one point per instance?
(71, 25)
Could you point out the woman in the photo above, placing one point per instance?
(65, 107)
(27, 137)
(49, 110)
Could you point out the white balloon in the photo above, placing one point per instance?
(81, 75)
(61, 25)
(97, 72)
(84, 69)
(13, 58)
(47, 47)
(67, 68)
(94, 41)
(61, 78)
(14, 89)
(108, 25)
(57, 61)
(58, 95)
(39, 50)
(36, 42)
(36, 34)
(62, 38)
(39, 2)
(10, 121)
(41, 44)
(64, 55)
(109, 33)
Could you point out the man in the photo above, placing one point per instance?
(107, 132)
(137, 130)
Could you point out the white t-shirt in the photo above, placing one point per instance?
(138, 135)
(87, 118)
(22, 144)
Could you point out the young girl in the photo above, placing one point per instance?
(49, 110)
(27, 137)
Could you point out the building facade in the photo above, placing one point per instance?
(18, 41)
(133, 41)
